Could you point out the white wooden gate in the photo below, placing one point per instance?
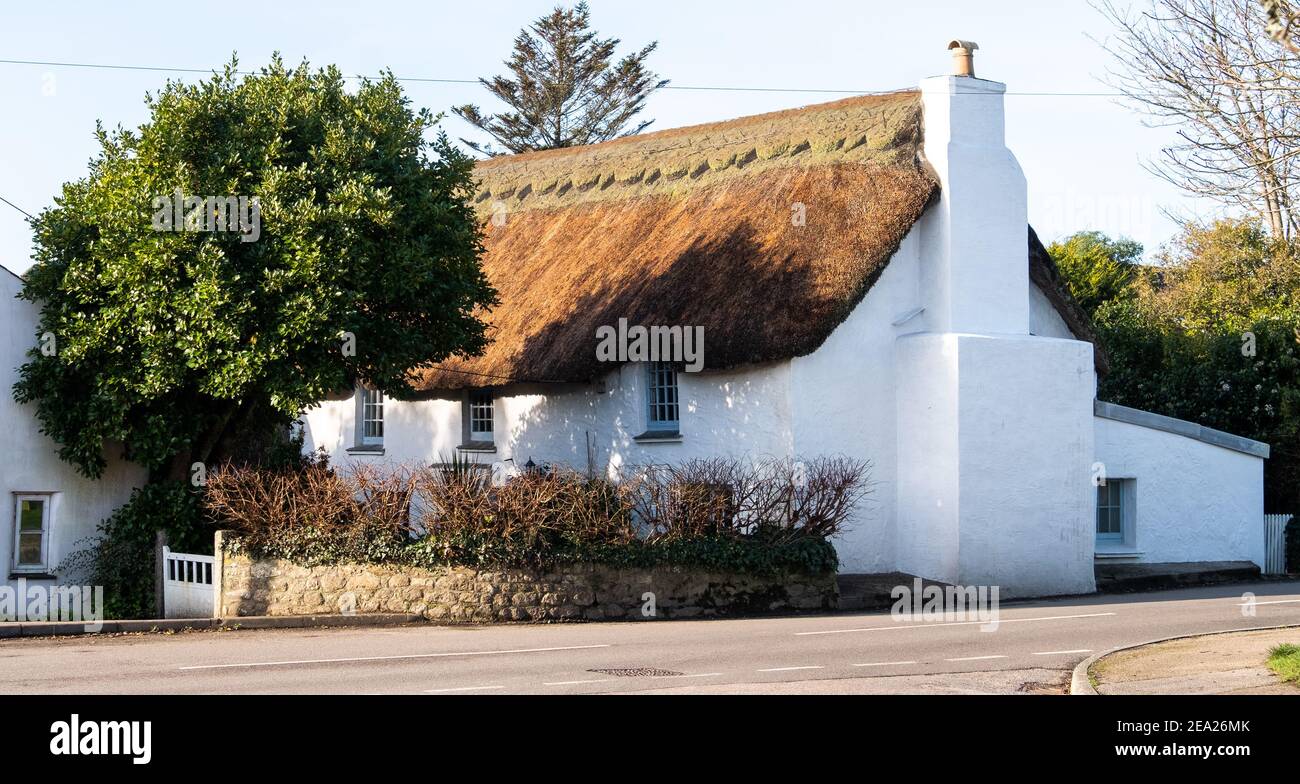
(187, 585)
(1275, 543)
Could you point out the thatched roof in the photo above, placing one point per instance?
(694, 226)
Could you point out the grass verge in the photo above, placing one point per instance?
(1284, 659)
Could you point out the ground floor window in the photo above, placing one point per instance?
(1115, 511)
(31, 532)
(661, 397)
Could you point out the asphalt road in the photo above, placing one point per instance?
(1032, 650)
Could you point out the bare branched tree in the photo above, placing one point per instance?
(1233, 93)
(1282, 22)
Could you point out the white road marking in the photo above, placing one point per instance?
(1275, 601)
(390, 658)
(1060, 653)
(790, 669)
(462, 688)
(975, 658)
(885, 664)
(923, 625)
(575, 683)
(693, 675)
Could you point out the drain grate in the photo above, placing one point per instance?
(636, 672)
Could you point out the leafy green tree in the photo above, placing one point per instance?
(567, 90)
(1096, 268)
(1225, 276)
(365, 266)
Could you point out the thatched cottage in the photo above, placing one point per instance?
(867, 285)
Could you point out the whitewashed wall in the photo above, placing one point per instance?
(1195, 501)
(31, 463)
(739, 413)
(844, 403)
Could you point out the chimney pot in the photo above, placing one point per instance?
(963, 57)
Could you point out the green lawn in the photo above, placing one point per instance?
(1285, 661)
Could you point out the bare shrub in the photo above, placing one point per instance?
(458, 515)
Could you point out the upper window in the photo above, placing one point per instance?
(372, 416)
(1112, 503)
(31, 533)
(662, 397)
(480, 416)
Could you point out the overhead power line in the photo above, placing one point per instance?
(16, 207)
(429, 80)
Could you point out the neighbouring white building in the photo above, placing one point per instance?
(868, 286)
(49, 510)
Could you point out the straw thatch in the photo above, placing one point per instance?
(695, 226)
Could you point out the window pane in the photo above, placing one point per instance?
(661, 396)
(480, 414)
(29, 549)
(372, 414)
(31, 514)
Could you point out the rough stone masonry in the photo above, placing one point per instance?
(467, 595)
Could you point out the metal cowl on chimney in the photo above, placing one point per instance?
(963, 57)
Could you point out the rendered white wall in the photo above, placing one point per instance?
(843, 404)
(32, 463)
(1195, 501)
(738, 413)
(1044, 320)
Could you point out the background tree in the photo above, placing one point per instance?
(1203, 67)
(183, 347)
(1282, 22)
(1096, 268)
(566, 88)
(1223, 277)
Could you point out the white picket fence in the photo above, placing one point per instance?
(187, 585)
(1275, 543)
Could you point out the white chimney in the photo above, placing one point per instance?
(979, 269)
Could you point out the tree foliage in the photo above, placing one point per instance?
(172, 342)
(1096, 268)
(566, 89)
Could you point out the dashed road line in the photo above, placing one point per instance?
(885, 664)
(792, 669)
(391, 658)
(575, 683)
(975, 658)
(462, 688)
(925, 625)
(1060, 653)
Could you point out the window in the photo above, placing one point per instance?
(662, 397)
(480, 416)
(372, 416)
(1115, 511)
(31, 533)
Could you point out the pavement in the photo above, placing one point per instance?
(1032, 651)
(1216, 664)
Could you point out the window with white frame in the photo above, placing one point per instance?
(1114, 510)
(480, 416)
(31, 532)
(661, 397)
(372, 417)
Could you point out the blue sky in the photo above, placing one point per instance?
(1082, 155)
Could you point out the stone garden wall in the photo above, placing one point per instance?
(585, 592)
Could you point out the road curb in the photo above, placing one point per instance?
(1080, 684)
(65, 628)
